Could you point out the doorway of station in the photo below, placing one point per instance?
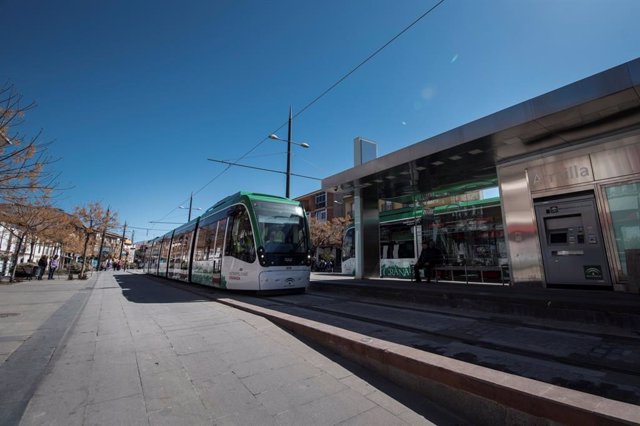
(573, 250)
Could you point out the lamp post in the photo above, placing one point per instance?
(190, 207)
(289, 142)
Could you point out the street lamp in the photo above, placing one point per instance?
(190, 207)
(289, 142)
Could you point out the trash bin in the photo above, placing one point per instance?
(633, 270)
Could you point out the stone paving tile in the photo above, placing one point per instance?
(285, 398)
(7, 347)
(151, 342)
(252, 417)
(128, 411)
(168, 387)
(189, 344)
(67, 376)
(142, 326)
(285, 376)
(82, 337)
(375, 417)
(269, 362)
(241, 352)
(226, 395)
(329, 410)
(63, 408)
(389, 404)
(168, 417)
(323, 363)
(156, 361)
(110, 381)
(217, 335)
(204, 366)
(115, 346)
(413, 418)
(358, 385)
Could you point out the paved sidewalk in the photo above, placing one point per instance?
(26, 305)
(144, 353)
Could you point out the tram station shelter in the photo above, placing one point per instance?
(546, 192)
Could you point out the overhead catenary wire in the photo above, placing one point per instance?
(320, 96)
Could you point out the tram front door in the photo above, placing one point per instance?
(573, 250)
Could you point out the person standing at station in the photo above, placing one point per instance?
(42, 265)
(53, 265)
(430, 257)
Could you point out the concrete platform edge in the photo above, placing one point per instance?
(472, 386)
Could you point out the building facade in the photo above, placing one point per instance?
(30, 250)
(322, 205)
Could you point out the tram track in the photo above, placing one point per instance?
(548, 325)
(607, 365)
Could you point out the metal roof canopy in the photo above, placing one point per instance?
(597, 105)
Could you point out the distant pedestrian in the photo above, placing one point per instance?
(430, 257)
(42, 265)
(53, 265)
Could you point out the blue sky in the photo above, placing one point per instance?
(136, 95)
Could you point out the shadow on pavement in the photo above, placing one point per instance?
(138, 288)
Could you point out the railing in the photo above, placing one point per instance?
(473, 271)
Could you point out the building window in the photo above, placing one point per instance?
(321, 201)
(321, 215)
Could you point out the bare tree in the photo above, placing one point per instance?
(28, 219)
(23, 159)
(95, 219)
(66, 232)
(328, 234)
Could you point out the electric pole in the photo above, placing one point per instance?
(122, 241)
(104, 231)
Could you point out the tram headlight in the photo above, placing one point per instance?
(262, 258)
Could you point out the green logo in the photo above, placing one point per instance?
(395, 271)
(593, 272)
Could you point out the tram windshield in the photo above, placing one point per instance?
(282, 227)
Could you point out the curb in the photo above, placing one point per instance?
(487, 396)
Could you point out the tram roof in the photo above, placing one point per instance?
(227, 201)
(601, 104)
(252, 196)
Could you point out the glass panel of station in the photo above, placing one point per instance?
(466, 225)
(624, 206)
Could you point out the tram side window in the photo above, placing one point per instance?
(240, 237)
(219, 243)
(186, 240)
(176, 252)
(204, 244)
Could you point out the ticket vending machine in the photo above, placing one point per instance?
(573, 251)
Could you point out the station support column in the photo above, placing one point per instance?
(367, 230)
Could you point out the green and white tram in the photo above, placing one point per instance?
(467, 230)
(247, 241)
(399, 236)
